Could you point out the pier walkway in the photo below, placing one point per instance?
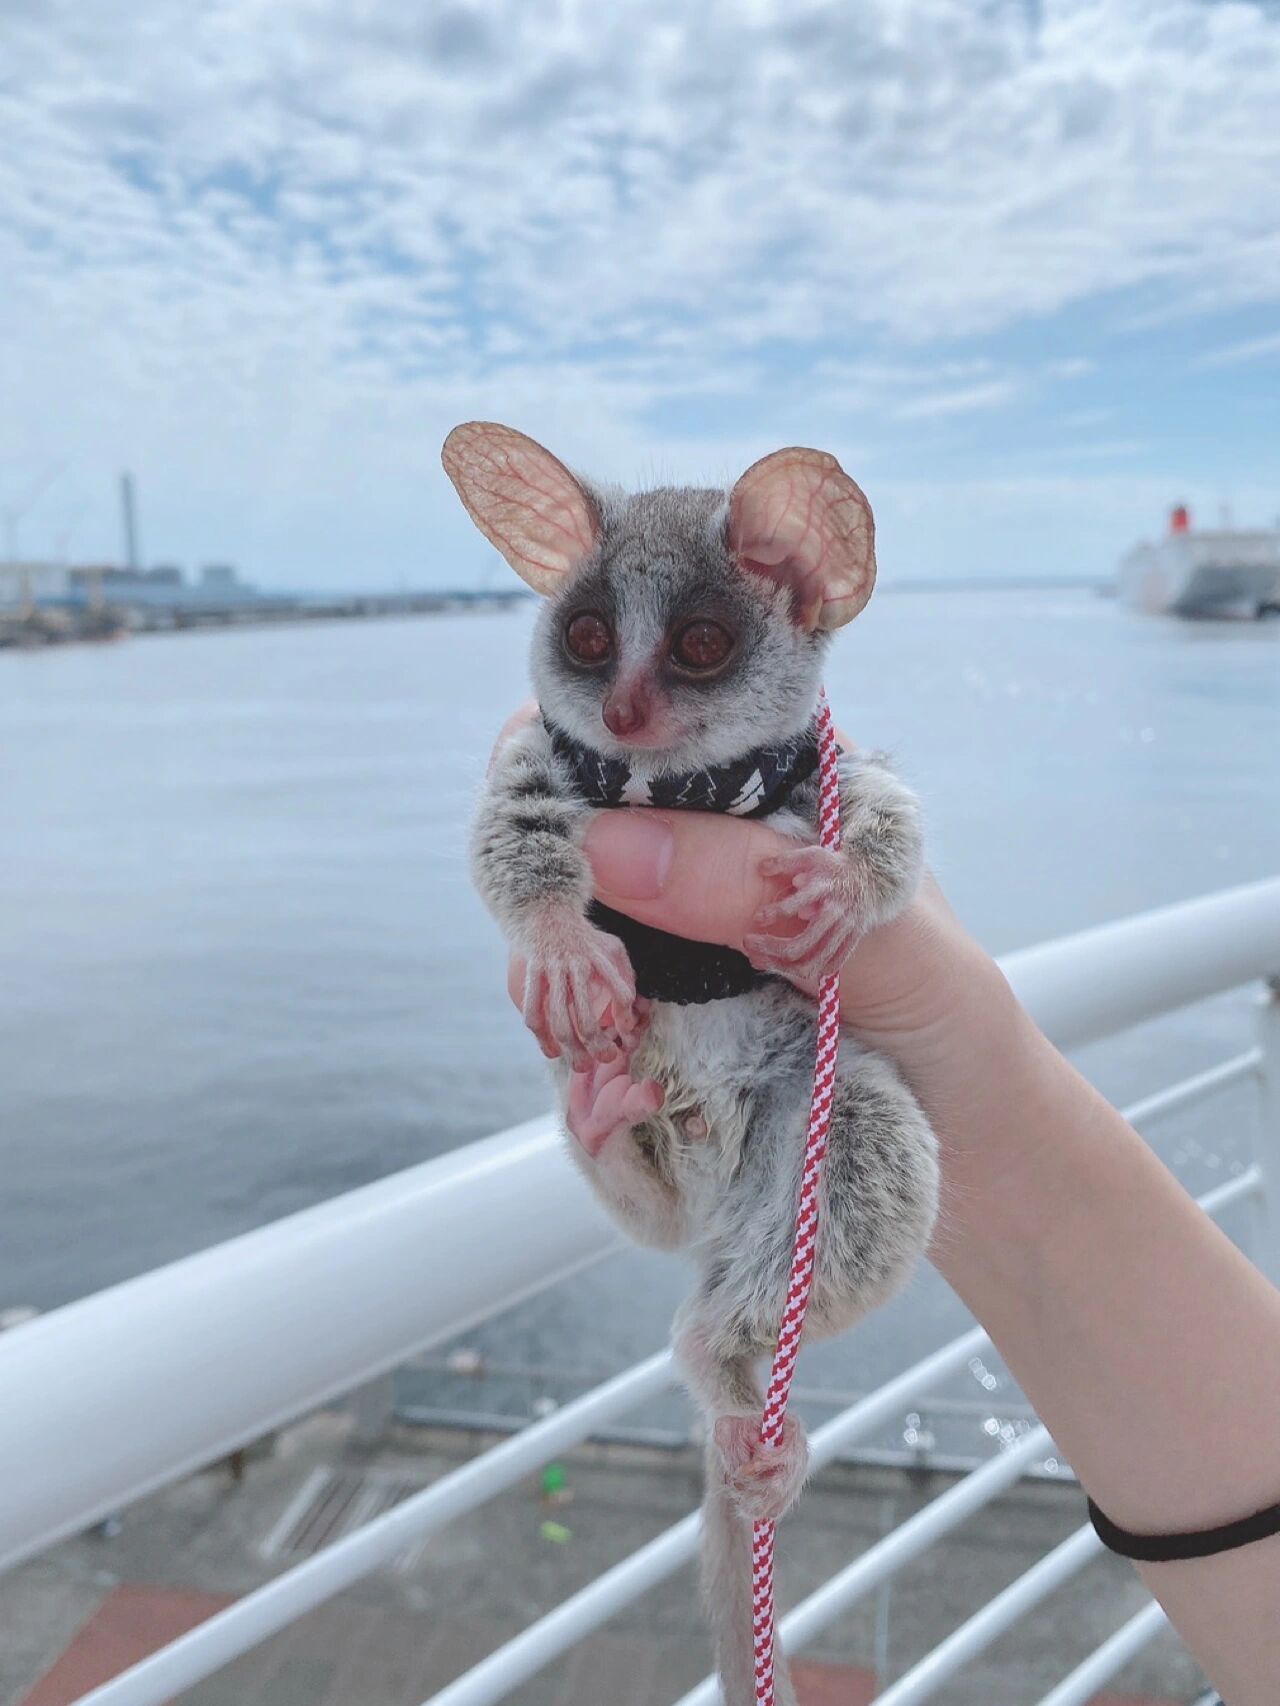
(78, 1615)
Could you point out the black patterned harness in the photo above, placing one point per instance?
(674, 968)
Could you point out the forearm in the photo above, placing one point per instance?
(1145, 1340)
(526, 837)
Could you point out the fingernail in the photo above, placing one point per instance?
(630, 854)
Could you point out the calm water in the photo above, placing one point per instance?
(241, 967)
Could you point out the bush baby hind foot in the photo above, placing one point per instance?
(605, 1102)
(763, 1480)
(606, 1111)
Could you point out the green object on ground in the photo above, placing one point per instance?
(556, 1532)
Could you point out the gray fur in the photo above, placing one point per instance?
(744, 1066)
(526, 839)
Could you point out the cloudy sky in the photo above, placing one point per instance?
(1018, 265)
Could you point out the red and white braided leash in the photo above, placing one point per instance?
(802, 1256)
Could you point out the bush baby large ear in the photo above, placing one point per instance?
(524, 500)
(797, 518)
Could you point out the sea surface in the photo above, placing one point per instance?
(241, 968)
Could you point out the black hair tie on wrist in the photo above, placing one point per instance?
(1199, 1543)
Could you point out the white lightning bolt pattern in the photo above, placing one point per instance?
(749, 795)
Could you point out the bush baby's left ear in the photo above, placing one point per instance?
(524, 500)
(797, 518)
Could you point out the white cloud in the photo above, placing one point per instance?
(1071, 367)
(965, 400)
(1232, 354)
(1105, 449)
(270, 249)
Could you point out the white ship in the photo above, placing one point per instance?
(1226, 572)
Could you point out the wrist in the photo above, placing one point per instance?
(1011, 1171)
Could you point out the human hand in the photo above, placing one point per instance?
(915, 988)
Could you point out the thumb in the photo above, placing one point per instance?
(695, 874)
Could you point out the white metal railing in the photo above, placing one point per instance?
(181, 1366)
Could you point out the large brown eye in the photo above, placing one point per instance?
(701, 645)
(588, 638)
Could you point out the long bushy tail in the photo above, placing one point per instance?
(726, 1586)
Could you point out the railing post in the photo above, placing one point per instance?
(1268, 1138)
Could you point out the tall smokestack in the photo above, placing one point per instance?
(130, 522)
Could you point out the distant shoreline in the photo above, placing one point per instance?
(76, 622)
(71, 623)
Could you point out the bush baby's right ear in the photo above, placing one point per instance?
(524, 500)
(796, 518)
